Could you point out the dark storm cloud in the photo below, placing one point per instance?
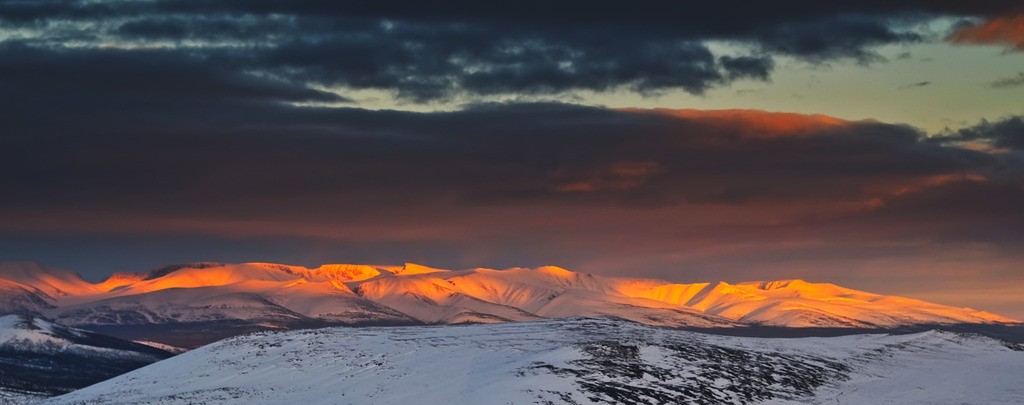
(545, 182)
(832, 38)
(497, 184)
(427, 51)
(960, 200)
(1005, 133)
(957, 212)
(115, 76)
(178, 136)
(200, 109)
(748, 66)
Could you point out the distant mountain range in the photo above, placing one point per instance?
(192, 304)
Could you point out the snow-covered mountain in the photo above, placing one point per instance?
(41, 358)
(574, 361)
(208, 301)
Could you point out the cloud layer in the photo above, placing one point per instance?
(425, 53)
(525, 177)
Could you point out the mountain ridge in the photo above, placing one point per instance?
(284, 296)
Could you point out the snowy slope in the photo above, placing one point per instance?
(17, 298)
(571, 361)
(29, 334)
(206, 299)
(38, 357)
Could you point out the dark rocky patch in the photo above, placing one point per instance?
(692, 373)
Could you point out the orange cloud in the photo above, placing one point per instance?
(753, 123)
(1007, 30)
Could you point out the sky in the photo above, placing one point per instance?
(878, 145)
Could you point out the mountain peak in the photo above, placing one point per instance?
(348, 272)
(556, 271)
